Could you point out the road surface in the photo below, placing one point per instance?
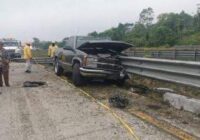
(58, 111)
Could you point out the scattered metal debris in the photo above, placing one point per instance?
(155, 107)
(33, 83)
(163, 90)
(141, 89)
(118, 101)
(185, 122)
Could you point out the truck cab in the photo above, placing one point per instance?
(13, 47)
(89, 58)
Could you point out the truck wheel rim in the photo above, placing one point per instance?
(56, 67)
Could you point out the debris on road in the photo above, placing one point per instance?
(53, 113)
(118, 101)
(53, 100)
(163, 90)
(148, 103)
(34, 83)
(141, 89)
(155, 107)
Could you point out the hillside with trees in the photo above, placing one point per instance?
(169, 29)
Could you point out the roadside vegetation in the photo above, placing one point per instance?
(164, 31)
(169, 29)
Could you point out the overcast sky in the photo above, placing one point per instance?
(56, 19)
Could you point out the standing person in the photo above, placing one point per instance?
(52, 49)
(28, 57)
(4, 66)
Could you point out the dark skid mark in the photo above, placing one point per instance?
(155, 107)
(34, 83)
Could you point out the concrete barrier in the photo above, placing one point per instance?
(183, 102)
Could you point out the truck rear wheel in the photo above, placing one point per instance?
(76, 76)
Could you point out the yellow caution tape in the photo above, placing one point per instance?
(163, 125)
(122, 121)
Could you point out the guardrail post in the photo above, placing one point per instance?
(195, 55)
(158, 54)
(133, 53)
(175, 53)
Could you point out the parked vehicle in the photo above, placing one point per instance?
(91, 58)
(13, 47)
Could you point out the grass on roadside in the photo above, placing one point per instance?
(40, 53)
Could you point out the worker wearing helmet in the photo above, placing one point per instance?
(28, 57)
(4, 66)
(52, 49)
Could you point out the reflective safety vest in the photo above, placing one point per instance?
(27, 52)
(52, 50)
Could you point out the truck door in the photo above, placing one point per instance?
(67, 57)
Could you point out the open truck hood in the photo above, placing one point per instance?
(114, 47)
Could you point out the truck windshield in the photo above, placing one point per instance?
(8, 44)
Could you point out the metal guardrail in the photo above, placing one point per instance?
(182, 72)
(37, 60)
(189, 55)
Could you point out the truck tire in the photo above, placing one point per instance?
(76, 76)
(121, 82)
(58, 69)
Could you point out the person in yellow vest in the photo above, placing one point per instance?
(52, 49)
(28, 57)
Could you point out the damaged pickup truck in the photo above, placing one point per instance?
(91, 58)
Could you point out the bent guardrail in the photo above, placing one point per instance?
(182, 72)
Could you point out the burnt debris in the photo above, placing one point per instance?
(118, 101)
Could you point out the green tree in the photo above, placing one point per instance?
(170, 29)
(117, 33)
(137, 36)
(36, 42)
(177, 22)
(62, 43)
(197, 19)
(147, 16)
(162, 35)
(94, 34)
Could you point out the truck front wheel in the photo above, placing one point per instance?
(76, 76)
(58, 69)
